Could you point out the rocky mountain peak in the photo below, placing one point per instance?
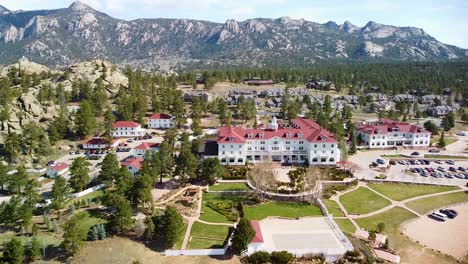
(349, 27)
(80, 7)
(232, 26)
(372, 25)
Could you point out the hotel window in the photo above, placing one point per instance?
(288, 142)
(262, 142)
(288, 148)
(301, 148)
(262, 148)
(301, 142)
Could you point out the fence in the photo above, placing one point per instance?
(343, 239)
(87, 191)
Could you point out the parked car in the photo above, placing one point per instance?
(380, 161)
(50, 163)
(415, 153)
(130, 140)
(461, 169)
(450, 213)
(441, 169)
(392, 162)
(451, 162)
(71, 152)
(438, 216)
(460, 176)
(452, 169)
(434, 150)
(77, 152)
(438, 162)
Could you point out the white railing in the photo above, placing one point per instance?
(87, 191)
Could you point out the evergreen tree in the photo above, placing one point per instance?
(109, 169)
(211, 169)
(94, 234)
(121, 218)
(442, 142)
(243, 234)
(85, 120)
(79, 170)
(74, 235)
(170, 226)
(34, 249)
(149, 230)
(59, 193)
(13, 252)
(102, 231)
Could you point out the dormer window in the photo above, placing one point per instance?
(300, 135)
(288, 135)
(323, 138)
(232, 139)
(249, 135)
(261, 135)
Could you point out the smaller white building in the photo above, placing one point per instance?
(127, 129)
(57, 169)
(160, 120)
(140, 150)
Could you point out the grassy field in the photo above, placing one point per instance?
(448, 140)
(211, 215)
(401, 191)
(409, 251)
(363, 201)
(89, 220)
(426, 205)
(45, 238)
(431, 156)
(207, 236)
(346, 226)
(283, 209)
(333, 208)
(229, 187)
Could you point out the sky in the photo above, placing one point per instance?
(446, 20)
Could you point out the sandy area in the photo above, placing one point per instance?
(123, 251)
(449, 237)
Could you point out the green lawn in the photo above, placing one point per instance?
(346, 226)
(207, 236)
(229, 187)
(433, 156)
(178, 244)
(210, 215)
(392, 218)
(88, 221)
(363, 201)
(333, 208)
(426, 205)
(401, 191)
(48, 238)
(448, 141)
(283, 209)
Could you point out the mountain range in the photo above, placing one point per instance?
(63, 36)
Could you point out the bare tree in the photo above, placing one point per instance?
(262, 177)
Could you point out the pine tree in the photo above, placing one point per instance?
(34, 249)
(442, 142)
(172, 226)
(13, 252)
(85, 120)
(243, 234)
(79, 170)
(109, 169)
(94, 234)
(59, 193)
(150, 228)
(102, 231)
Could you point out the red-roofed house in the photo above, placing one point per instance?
(133, 164)
(141, 149)
(387, 133)
(127, 129)
(57, 169)
(100, 143)
(304, 141)
(160, 120)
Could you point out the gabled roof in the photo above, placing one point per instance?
(160, 116)
(258, 238)
(301, 128)
(120, 124)
(97, 141)
(384, 126)
(59, 166)
(147, 145)
(134, 162)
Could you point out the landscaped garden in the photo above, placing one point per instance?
(237, 186)
(220, 208)
(333, 208)
(426, 205)
(282, 209)
(363, 201)
(207, 236)
(402, 191)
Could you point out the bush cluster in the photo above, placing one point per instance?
(235, 173)
(225, 208)
(276, 257)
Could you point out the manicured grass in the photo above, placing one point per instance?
(363, 201)
(392, 218)
(401, 191)
(448, 141)
(178, 244)
(210, 215)
(207, 236)
(46, 238)
(394, 156)
(283, 209)
(333, 208)
(433, 156)
(88, 221)
(229, 187)
(346, 226)
(426, 205)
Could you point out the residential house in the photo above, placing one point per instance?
(191, 94)
(160, 120)
(57, 169)
(141, 149)
(100, 143)
(133, 164)
(404, 98)
(320, 85)
(127, 129)
(442, 110)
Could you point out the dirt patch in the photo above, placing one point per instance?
(123, 251)
(449, 237)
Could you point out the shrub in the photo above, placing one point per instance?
(281, 257)
(259, 257)
(225, 208)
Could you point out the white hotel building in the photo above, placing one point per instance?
(387, 133)
(127, 129)
(159, 121)
(304, 141)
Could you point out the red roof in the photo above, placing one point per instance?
(258, 238)
(125, 124)
(160, 116)
(60, 166)
(384, 126)
(147, 145)
(301, 129)
(97, 141)
(135, 162)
